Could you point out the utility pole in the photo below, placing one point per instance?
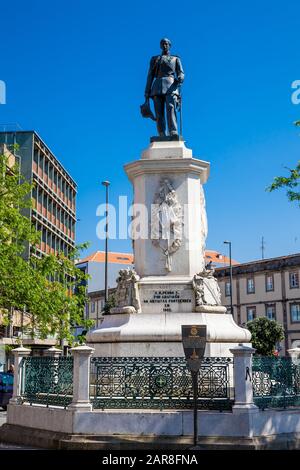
(262, 248)
(106, 184)
(230, 272)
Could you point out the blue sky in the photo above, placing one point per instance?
(75, 72)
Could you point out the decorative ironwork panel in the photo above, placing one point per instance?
(47, 380)
(158, 382)
(276, 382)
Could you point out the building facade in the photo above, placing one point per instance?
(94, 266)
(53, 195)
(53, 213)
(268, 288)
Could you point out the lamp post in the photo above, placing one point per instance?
(106, 184)
(230, 270)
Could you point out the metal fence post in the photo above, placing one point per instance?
(81, 378)
(242, 373)
(18, 353)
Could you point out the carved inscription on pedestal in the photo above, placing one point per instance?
(167, 299)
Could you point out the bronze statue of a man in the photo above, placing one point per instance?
(164, 79)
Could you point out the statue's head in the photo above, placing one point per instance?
(165, 44)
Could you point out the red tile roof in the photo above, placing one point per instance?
(99, 257)
(127, 258)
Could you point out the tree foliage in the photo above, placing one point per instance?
(51, 289)
(15, 231)
(265, 334)
(291, 182)
(111, 302)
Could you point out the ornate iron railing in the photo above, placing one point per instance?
(47, 381)
(159, 383)
(276, 382)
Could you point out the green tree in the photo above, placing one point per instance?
(60, 307)
(265, 334)
(111, 302)
(15, 231)
(291, 182)
(51, 288)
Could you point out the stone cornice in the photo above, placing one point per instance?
(168, 165)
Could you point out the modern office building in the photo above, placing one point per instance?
(268, 287)
(53, 213)
(53, 196)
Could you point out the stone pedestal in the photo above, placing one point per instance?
(18, 353)
(81, 379)
(170, 286)
(165, 168)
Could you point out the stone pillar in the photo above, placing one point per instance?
(243, 378)
(169, 168)
(18, 353)
(53, 352)
(81, 379)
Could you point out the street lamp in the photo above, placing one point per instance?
(106, 184)
(226, 242)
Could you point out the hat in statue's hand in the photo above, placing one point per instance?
(146, 111)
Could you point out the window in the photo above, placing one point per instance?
(227, 289)
(271, 311)
(250, 286)
(41, 163)
(59, 182)
(92, 307)
(251, 313)
(294, 280)
(51, 169)
(55, 177)
(34, 197)
(36, 156)
(269, 282)
(295, 312)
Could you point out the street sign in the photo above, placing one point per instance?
(194, 342)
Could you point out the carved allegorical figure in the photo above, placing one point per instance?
(127, 294)
(206, 288)
(166, 221)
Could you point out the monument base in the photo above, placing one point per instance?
(150, 429)
(159, 334)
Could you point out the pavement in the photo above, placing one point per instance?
(3, 415)
(4, 445)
